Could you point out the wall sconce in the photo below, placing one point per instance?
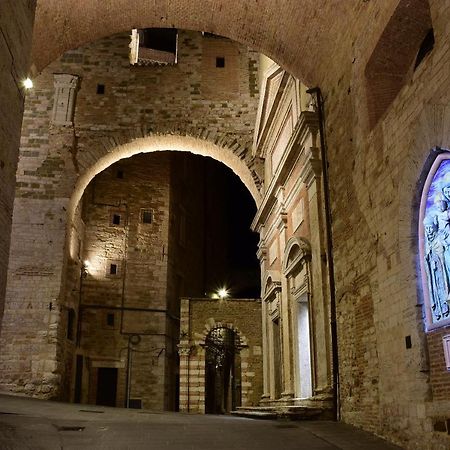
(85, 269)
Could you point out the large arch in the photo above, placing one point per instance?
(155, 143)
(255, 24)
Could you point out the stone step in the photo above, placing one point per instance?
(283, 412)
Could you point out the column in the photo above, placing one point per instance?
(320, 307)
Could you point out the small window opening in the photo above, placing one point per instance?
(116, 219)
(425, 48)
(119, 174)
(154, 46)
(110, 319)
(113, 269)
(147, 216)
(220, 62)
(408, 343)
(100, 89)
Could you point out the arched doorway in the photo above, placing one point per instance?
(222, 371)
(297, 272)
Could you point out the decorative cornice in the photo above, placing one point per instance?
(282, 220)
(262, 253)
(274, 288)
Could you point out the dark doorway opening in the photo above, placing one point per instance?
(222, 372)
(277, 357)
(106, 386)
(78, 379)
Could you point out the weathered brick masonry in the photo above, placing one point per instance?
(198, 317)
(142, 297)
(137, 101)
(16, 25)
(374, 168)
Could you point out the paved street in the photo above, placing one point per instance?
(36, 424)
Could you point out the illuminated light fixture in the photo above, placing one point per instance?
(85, 268)
(28, 83)
(222, 293)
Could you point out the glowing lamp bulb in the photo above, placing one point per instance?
(28, 83)
(223, 293)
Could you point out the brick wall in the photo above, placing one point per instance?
(154, 268)
(385, 387)
(373, 174)
(198, 317)
(16, 26)
(137, 101)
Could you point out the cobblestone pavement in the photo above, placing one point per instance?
(37, 424)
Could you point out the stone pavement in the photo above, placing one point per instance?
(43, 425)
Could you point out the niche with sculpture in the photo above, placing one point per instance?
(434, 240)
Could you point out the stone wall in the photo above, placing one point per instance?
(16, 27)
(386, 387)
(373, 176)
(198, 317)
(61, 144)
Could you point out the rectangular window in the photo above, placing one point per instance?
(113, 269)
(220, 62)
(117, 218)
(110, 319)
(146, 216)
(154, 46)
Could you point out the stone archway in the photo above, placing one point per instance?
(172, 142)
(74, 150)
(72, 27)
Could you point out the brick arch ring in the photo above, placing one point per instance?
(211, 324)
(165, 142)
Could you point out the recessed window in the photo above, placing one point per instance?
(146, 216)
(100, 89)
(110, 319)
(220, 62)
(394, 55)
(154, 46)
(116, 219)
(120, 174)
(408, 343)
(113, 269)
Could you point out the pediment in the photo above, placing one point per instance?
(271, 92)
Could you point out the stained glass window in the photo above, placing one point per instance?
(434, 238)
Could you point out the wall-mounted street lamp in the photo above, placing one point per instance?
(27, 83)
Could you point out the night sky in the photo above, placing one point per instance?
(243, 270)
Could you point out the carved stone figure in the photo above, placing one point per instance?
(437, 265)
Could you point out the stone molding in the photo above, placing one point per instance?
(66, 86)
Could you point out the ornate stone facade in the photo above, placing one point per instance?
(290, 220)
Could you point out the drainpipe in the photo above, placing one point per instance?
(328, 220)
